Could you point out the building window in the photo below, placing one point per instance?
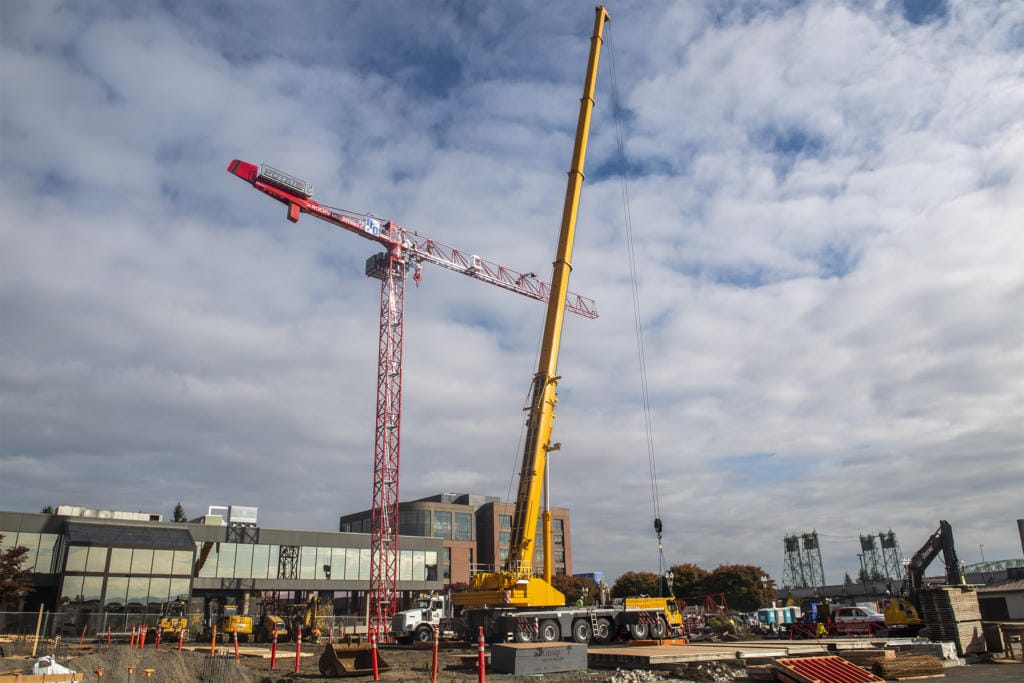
(442, 524)
(504, 537)
(463, 526)
(405, 565)
(77, 556)
(557, 539)
(179, 589)
(431, 565)
(163, 561)
(307, 563)
(243, 561)
(505, 521)
(225, 561)
(138, 594)
(121, 562)
(419, 572)
(260, 562)
(142, 561)
(364, 564)
(158, 591)
(39, 557)
(556, 524)
(323, 558)
(414, 522)
(117, 591)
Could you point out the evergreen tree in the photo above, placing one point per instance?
(179, 513)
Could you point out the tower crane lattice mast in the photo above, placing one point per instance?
(404, 250)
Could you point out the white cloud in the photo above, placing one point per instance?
(825, 200)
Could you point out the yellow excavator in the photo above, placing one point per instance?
(175, 620)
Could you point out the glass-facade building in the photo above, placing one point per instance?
(475, 530)
(105, 566)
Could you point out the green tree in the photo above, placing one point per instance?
(15, 582)
(689, 580)
(633, 584)
(742, 586)
(575, 587)
(48, 510)
(179, 513)
(847, 579)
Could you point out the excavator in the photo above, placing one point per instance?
(903, 614)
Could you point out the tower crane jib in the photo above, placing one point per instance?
(404, 250)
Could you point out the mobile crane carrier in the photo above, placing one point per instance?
(514, 603)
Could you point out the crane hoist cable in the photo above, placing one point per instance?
(637, 318)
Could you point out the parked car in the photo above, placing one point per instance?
(856, 621)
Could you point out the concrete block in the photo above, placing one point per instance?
(520, 659)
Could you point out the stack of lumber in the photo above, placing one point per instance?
(952, 614)
(909, 667)
(867, 657)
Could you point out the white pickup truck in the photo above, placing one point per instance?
(859, 620)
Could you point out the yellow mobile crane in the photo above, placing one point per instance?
(514, 602)
(516, 585)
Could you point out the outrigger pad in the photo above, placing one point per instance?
(350, 660)
(521, 659)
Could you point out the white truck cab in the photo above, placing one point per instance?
(418, 622)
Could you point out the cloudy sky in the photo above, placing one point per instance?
(826, 201)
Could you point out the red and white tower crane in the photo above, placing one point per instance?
(404, 250)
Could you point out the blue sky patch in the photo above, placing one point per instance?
(763, 468)
(920, 12)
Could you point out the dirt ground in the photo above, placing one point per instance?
(170, 666)
(404, 664)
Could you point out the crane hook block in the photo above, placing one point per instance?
(657, 525)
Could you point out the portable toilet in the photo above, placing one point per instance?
(766, 616)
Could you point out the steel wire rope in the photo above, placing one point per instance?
(637, 318)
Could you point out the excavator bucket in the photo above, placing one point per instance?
(344, 659)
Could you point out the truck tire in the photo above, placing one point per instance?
(524, 636)
(423, 634)
(604, 632)
(638, 631)
(549, 631)
(581, 631)
(659, 629)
